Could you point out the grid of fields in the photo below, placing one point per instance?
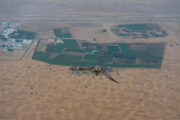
(68, 52)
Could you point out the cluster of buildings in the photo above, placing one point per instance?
(9, 44)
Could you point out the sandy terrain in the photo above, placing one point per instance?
(32, 90)
(16, 55)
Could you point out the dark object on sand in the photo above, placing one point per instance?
(94, 69)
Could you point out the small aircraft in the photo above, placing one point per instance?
(94, 69)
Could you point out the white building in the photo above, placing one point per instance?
(27, 41)
(8, 31)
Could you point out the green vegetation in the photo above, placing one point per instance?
(68, 58)
(107, 55)
(3, 38)
(104, 30)
(59, 48)
(136, 27)
(10, 50)
(42, 56)
(20, 41)
(75, 50)
(125, 49)
(113, 48)
(99, 47)
(139, 30)
(92, 57)
(123, 35)
(71, 44)
(58, 33)
(21, 34)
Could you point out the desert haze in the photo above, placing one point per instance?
(56, 7)
(34, 90)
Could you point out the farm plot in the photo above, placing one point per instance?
(106, 55)
(62, 33)
(21, 34)
(149, 30)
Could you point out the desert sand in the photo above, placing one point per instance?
(33, 90)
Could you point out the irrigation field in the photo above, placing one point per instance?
(148, 55)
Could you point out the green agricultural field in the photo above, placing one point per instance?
(113, 48)
(21, 34)
(58, 33)
(136, 27)
(59, 48)
(71, 44)
(148, 30)
(106, 55)
(94, 58)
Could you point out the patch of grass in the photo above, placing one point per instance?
(136, 27)
(139, 30)
(59, 34)
(68, 58)
(125, 49)
(71, 44)
(113, 48)
(99, 47)
(42, 56)
(123, 34)
(75, 50)
(59, 48)
(10, 50)
(92, 57)
(21, 34)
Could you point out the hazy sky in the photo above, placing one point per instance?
(42, 7)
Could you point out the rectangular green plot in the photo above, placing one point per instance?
(59, 48)
(99, 47)
(68, 58)
(113, 48)
(147, 50)
(40, 55)
(136, 27)
(71, 44)
(125, 49)
(22, 34)
(123, 34)
(75, 50)
(92, 57)
(59, 34)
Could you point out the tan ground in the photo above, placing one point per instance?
(32, 90)
(15, 55)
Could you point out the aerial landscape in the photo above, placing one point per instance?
(89, 60)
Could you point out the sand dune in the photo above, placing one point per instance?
(32, 90)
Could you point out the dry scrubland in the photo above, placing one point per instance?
(32, 90)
